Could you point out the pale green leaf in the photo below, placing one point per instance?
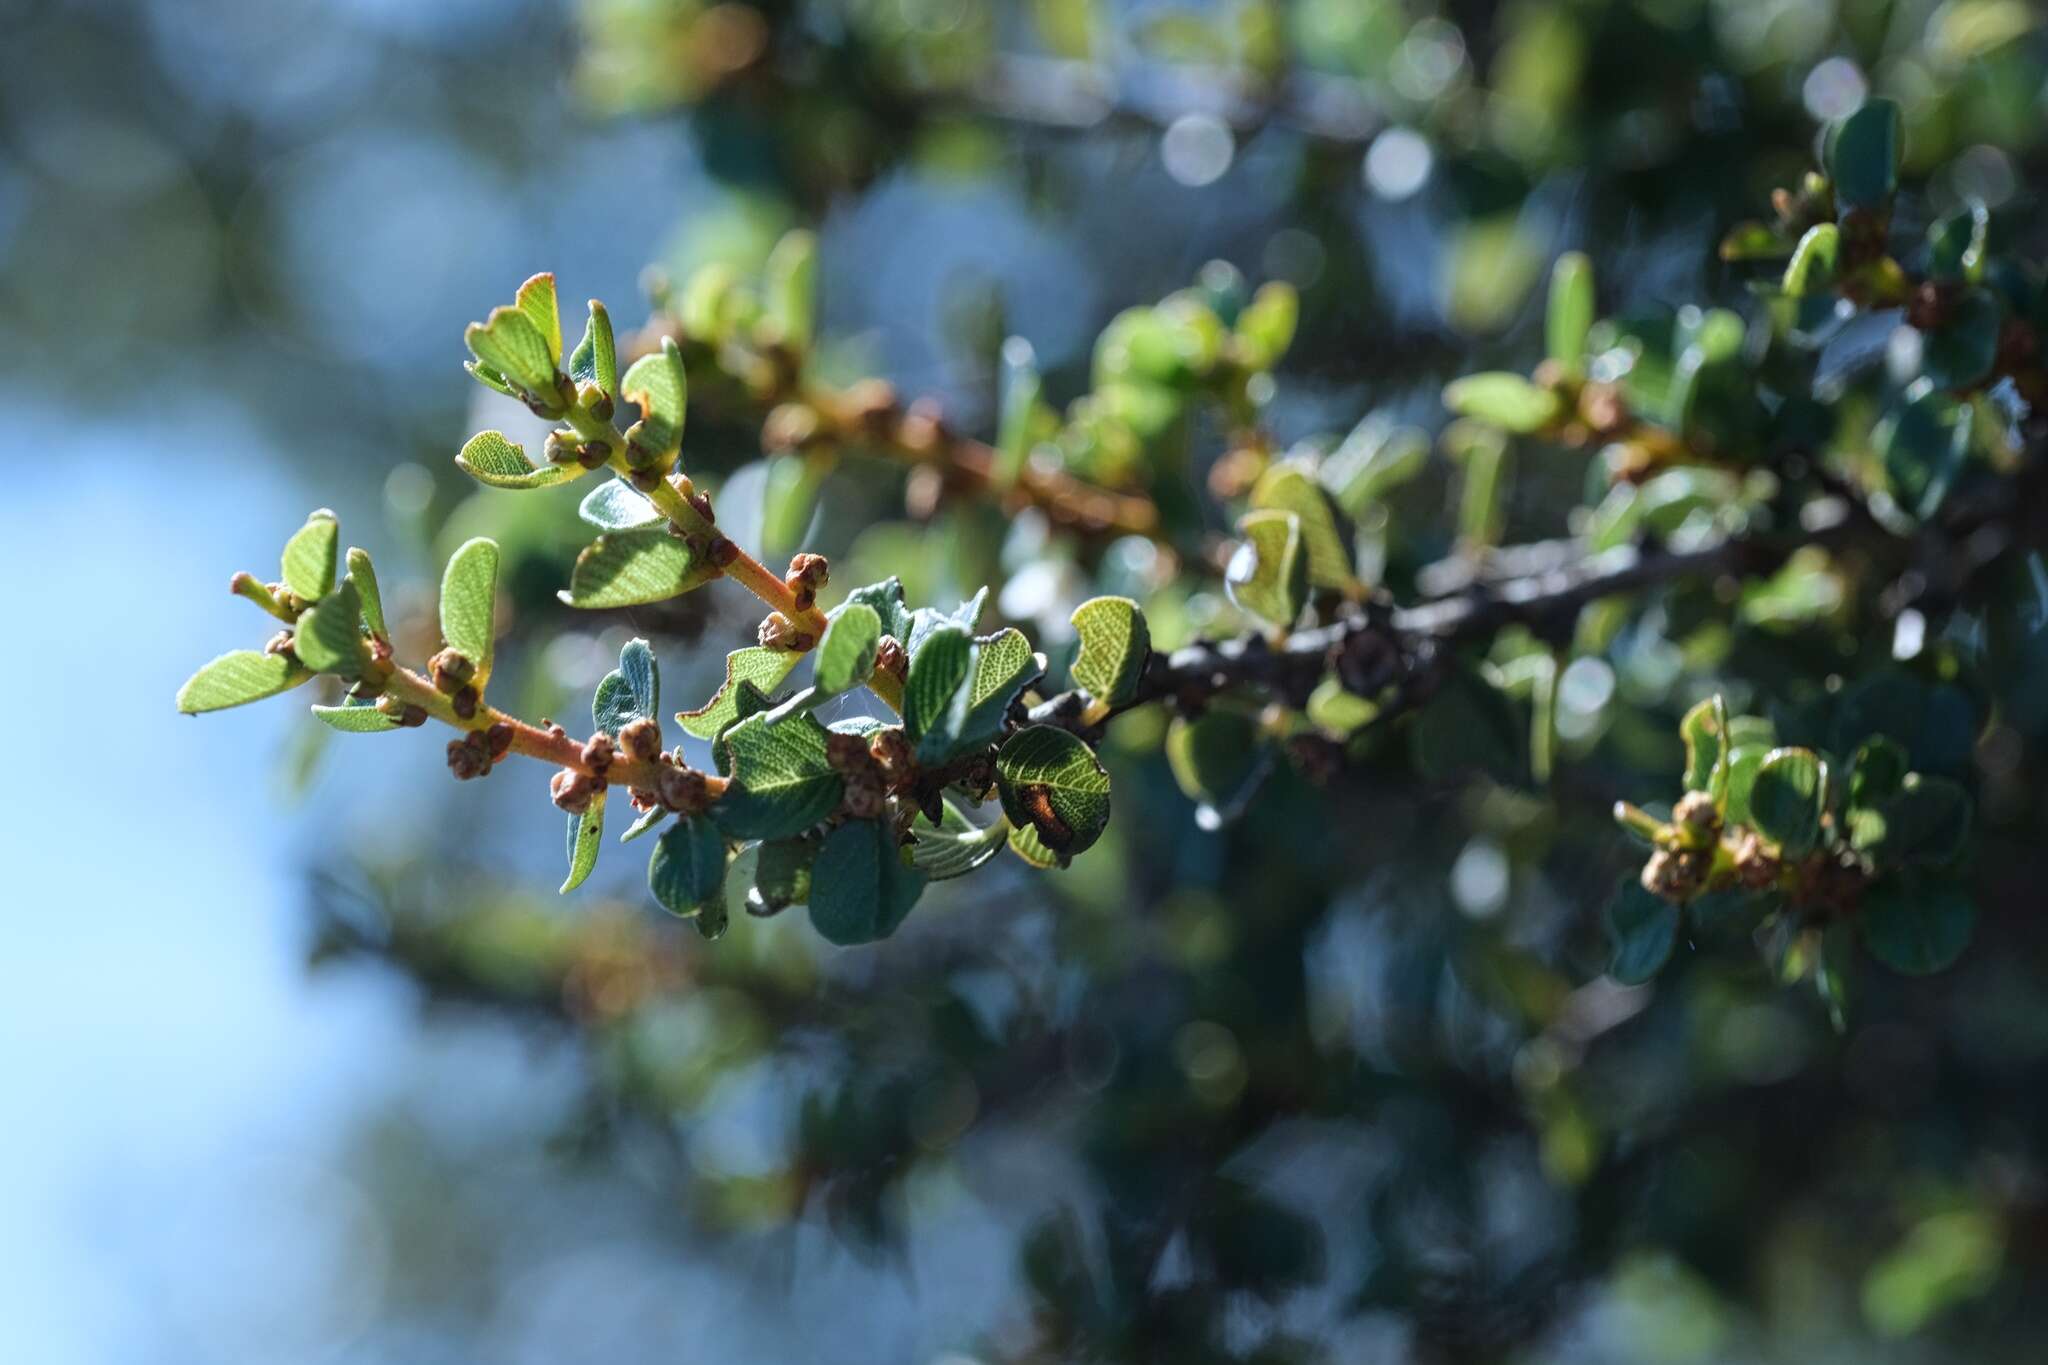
(616, 505)
(354, 719)
(596, 358)
(658, 384)
(536, 299)
(1291, 486)
(1505, 400)
(511, 345)
(1569, 316)
(586, 836)
(955, 846)
(1268, 573)
(846, 654)
(763, 668)
(491, 459)
(1114, 644)
(789, 286)
(626, 568)
(365, 575)
(329, 637)
(469, 595)
(308, 561)
(244, 675)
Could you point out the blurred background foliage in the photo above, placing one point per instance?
(1339, 1081)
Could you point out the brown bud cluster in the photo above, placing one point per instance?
(682, 789)
(1756, 866)
(890, 748)
(1676, 874)
(807, 574)
(891, 658)
(573, 791)
(846, 752)
(1316, 757)
(470, 756)
(790, 426)
(723, 552)
(451, 671)
(464, 703)
(778, 632)
(597, 753)
(280, 643)
(1698, 820)
(499, 738)
(641, 739)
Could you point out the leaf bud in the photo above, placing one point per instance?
(597, 753)
(682, 789)
(594, 400)
(451, 671)
(469, 756)
(572, 790)
(891, 658)
(847, 753)
(641, 739)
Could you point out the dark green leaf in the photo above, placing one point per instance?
(686, 871)
(1917, 924)
(242, 676)
(782, 782)
(629, 692)
(938, 669)
(1787, 798)
(1955, 245)
(1214, 754)
(781, 874)
(1052, 782)
(1643, 929)
(1926, 820)
(1876, 772)
(1861, 155)
(886, 597)
(1960, 352)
(861, 887)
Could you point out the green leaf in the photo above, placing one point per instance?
(1960, 352)
(1377, 458)
(510, 345)
(329, 637)
(886, 597)
(1114, 645)
(1811, 271)
(764, 668)
(789, 288)
(1704, 731)
(955, 846)
(616, 505)
(846, 654)
(861, 888)
(1025, 843)
(365, 575)
(245, 675)
(1955, 245)
(686, 871)
(1643, 930)
(658, 384)
(1744, 762)
(1876, 772)
(1052, 782)
(492, 460)
(1003, 666)
(596, 358)
(1291, 486)
(1021, 390)
(1268, 574)
(1753, 242)
(781, 874)
(1787, 798)
(536, 299)
(1468, 726)
(586, 836)
(925, 620)
(627, 568)
(1569, 316)
(1214, 755)
(649, 818)
(1927, 820)
(782, 781)
(354, 718)
(1924, 443)
(629, 692)
(308, 560)
(938, 669)
(1861, 155)
(1265, 329)
(1918, 924)
(469, 599)
(1505, 400)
